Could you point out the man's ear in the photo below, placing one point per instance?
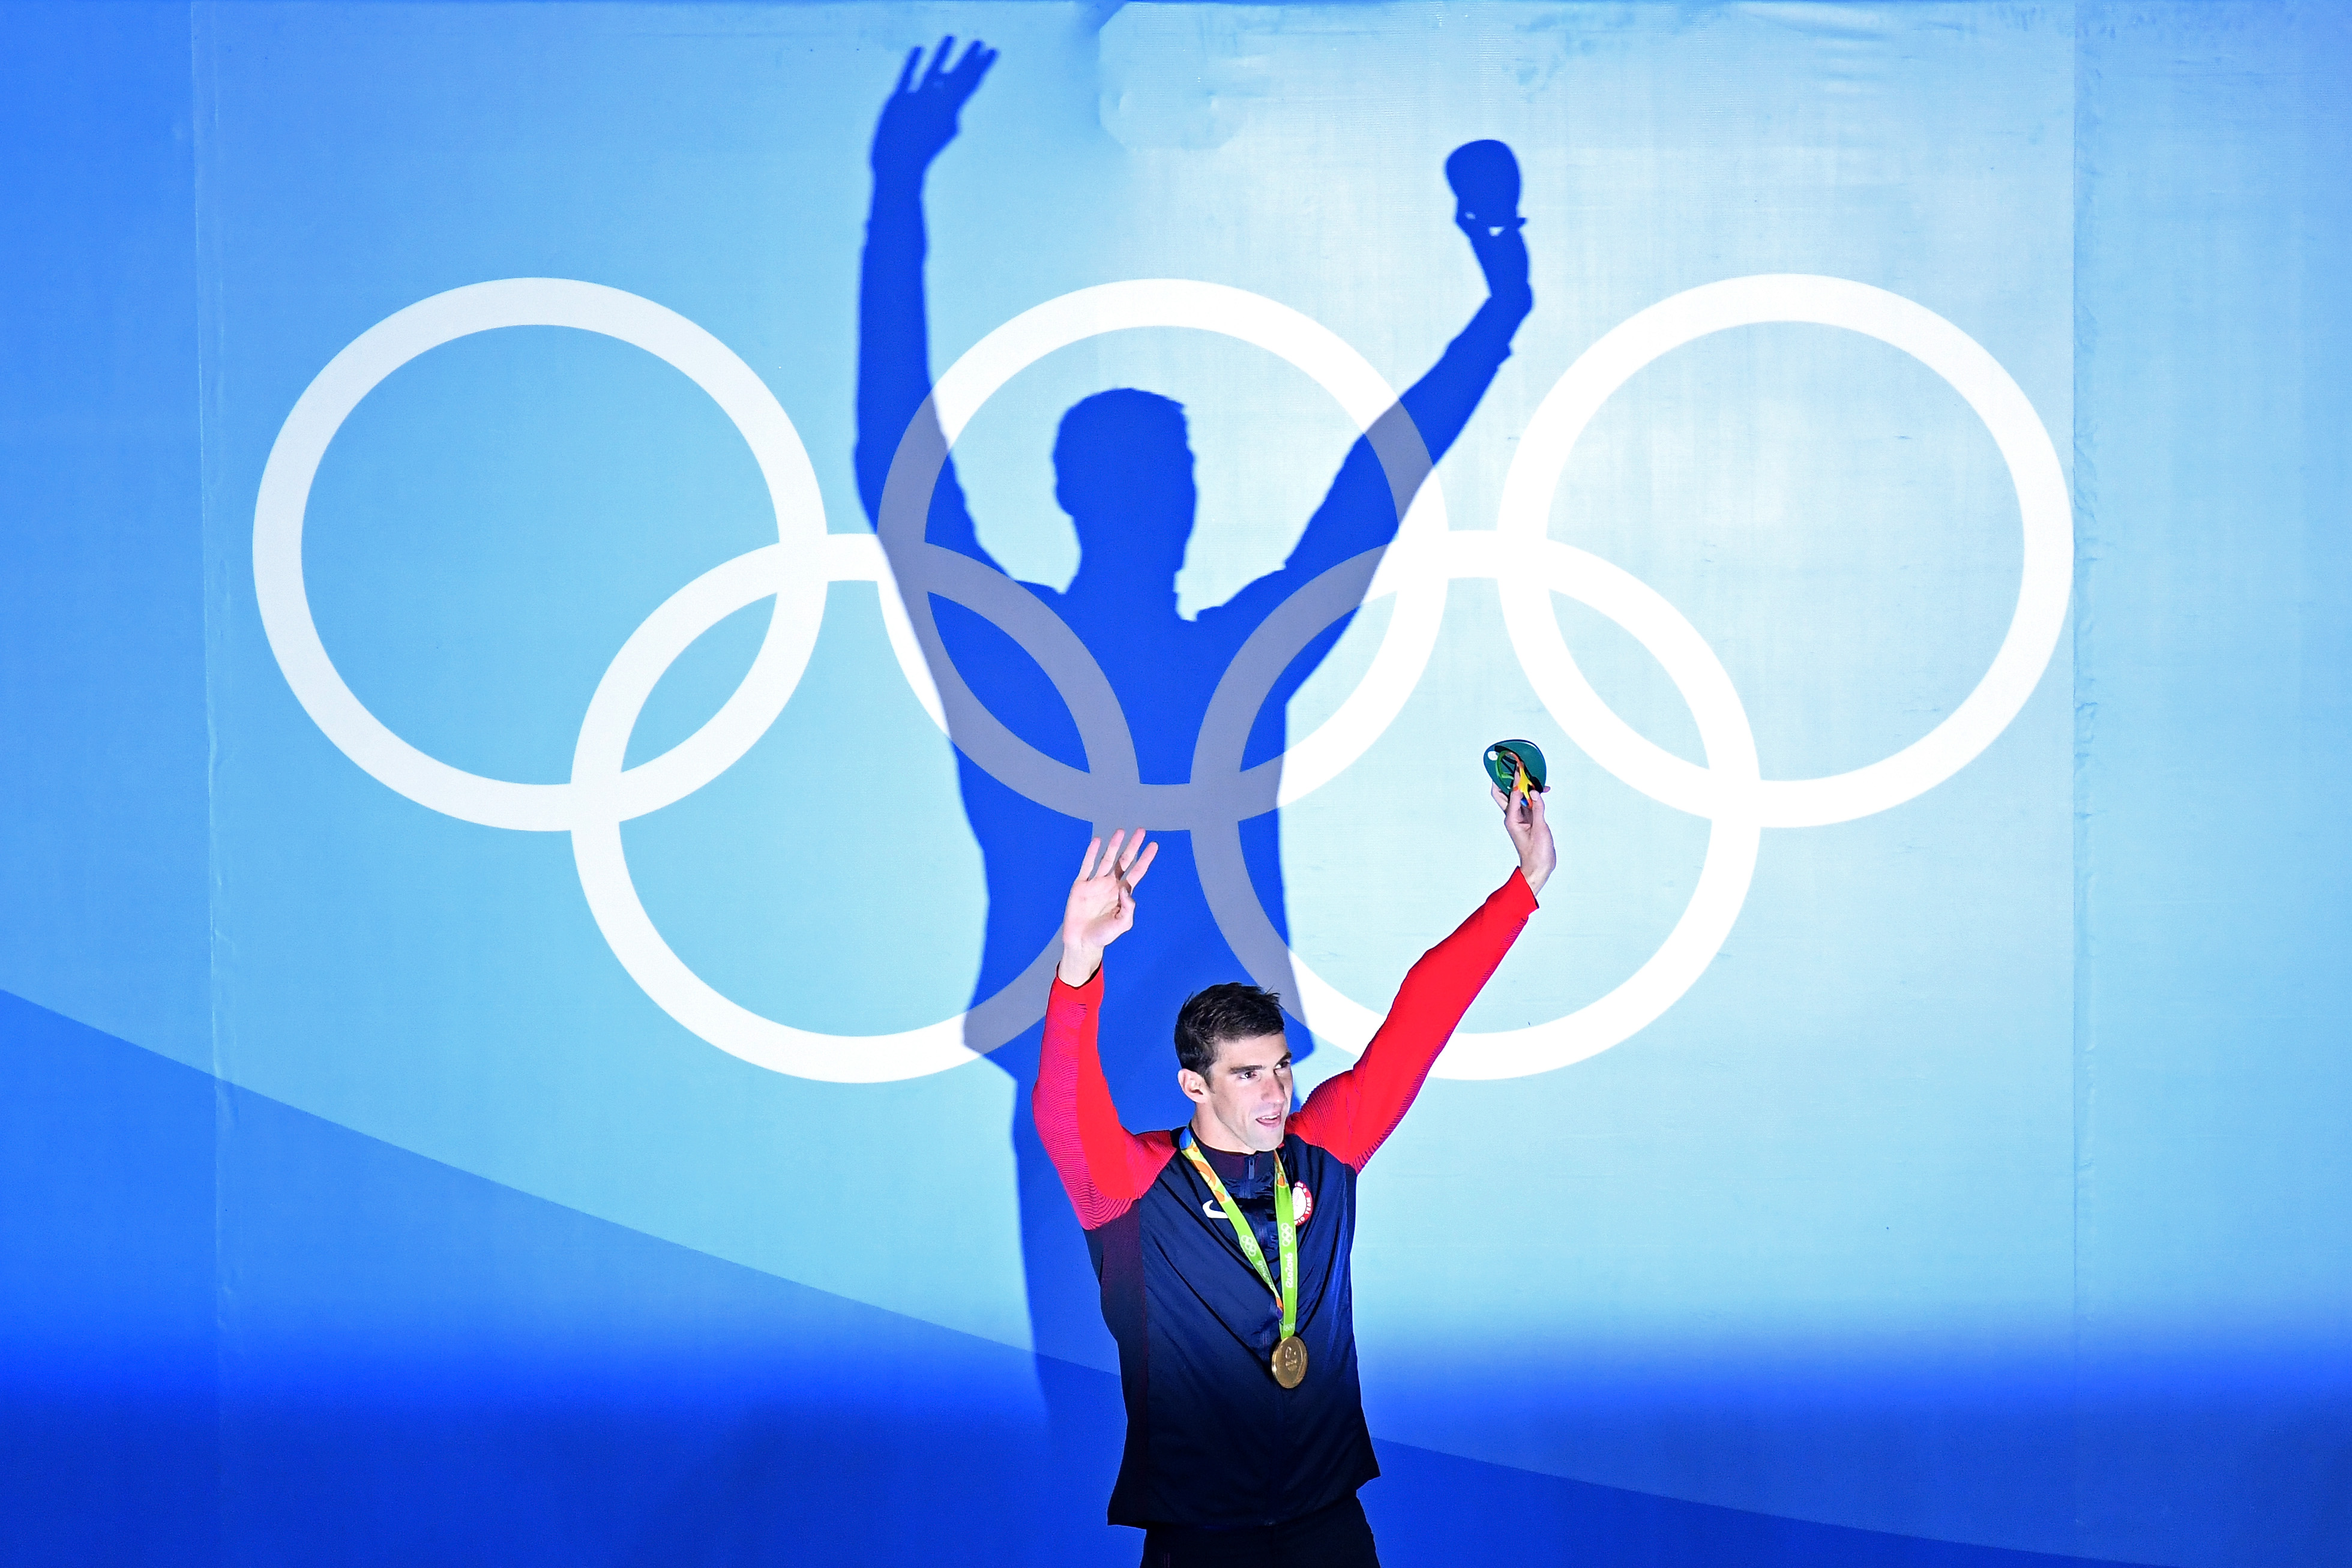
(1195, 1087)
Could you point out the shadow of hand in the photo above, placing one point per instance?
(919, 120)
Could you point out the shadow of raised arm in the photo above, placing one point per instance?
(1361, 511)
(894, 375)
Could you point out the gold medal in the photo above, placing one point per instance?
(1290, 1360)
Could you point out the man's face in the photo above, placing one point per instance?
(1247, 1092)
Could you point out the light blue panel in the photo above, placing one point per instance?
(2216, 1349)
(1855, 1130)
(102, 733)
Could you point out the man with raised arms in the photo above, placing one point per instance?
(1222, 1248)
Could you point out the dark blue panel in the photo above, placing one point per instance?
(107, 1450)
(417, 1365)
(1429, 1507)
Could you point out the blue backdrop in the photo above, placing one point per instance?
(454, 1148)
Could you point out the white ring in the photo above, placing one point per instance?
(1220, 794)
(1975, 374)
(391, 343)
(1724, 876)
(1090, 796)
(597, 845)
(1729, 789)
(602, 861)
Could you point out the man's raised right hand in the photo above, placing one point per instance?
(1102, 902)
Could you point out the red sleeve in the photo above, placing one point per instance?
(1353, 1114)
(1104, 1167)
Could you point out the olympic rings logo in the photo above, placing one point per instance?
(1527, 567)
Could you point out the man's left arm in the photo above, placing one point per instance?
(1353, 1114)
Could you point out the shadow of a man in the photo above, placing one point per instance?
(1123, 468)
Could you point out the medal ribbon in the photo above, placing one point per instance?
(1285, 1227)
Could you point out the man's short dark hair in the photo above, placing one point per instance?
(1231, 1011)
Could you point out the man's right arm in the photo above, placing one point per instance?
(1104, 1167)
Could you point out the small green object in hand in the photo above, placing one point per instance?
(1515, 764)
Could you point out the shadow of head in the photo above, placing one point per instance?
(1123, 470)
